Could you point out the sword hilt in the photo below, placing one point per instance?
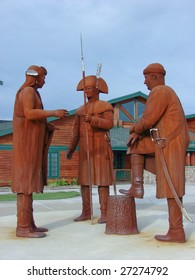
(155, 136)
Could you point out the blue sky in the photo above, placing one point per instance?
(125, 36)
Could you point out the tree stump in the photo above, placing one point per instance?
(121, 215)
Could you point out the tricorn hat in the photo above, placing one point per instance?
(93, 81)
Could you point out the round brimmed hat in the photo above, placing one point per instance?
(154, 68)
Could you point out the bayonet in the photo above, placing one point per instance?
(99, 67)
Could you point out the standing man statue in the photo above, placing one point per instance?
(31, 139)
(164, 116)
(99, 118)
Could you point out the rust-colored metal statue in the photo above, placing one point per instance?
(95, 154)
(164, 119)
(31, 139)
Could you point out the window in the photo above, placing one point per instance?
(130, 107)
(141, 108)
(123, 117)
(131, 111)
(53, 165)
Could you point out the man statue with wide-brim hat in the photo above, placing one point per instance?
(98, 115)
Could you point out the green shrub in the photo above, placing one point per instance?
(62, 182)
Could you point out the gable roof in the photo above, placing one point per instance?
(6, 126)
(138, 94)
(192, 116)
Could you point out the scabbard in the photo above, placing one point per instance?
(159, 143)
(170, 183)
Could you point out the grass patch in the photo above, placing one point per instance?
(42, 196)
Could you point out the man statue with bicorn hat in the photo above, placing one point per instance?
(95, 154)
(162, 130)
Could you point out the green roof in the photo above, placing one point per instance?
(119, 135)
(5, 127)
(71, 113)
(137, 94)
(192, 116)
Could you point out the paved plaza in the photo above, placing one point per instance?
(67, 240)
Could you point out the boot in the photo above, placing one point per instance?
(86, 212)
(176, 231)
(34, 227)
(103, 199)
(37, 229)
(137, 169)
(24, 215)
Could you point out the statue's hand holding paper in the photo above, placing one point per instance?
(61, 113)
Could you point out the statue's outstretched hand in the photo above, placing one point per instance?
(61, 113)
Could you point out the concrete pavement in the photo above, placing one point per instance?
(67, 240)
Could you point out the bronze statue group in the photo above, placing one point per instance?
(157, 142)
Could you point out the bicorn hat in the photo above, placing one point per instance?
(93, 81)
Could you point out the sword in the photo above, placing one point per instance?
(155, 136)
(86, 131)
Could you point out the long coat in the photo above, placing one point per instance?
(164, 111)
(31, 139)
(146, 147)
(100, 153)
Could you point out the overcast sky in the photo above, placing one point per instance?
(124, 35)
